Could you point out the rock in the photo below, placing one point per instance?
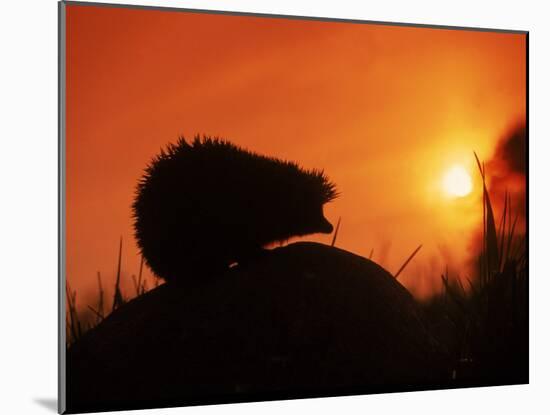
(304, 320)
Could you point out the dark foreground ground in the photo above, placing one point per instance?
(306, 320)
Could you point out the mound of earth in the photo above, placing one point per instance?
(304, 320)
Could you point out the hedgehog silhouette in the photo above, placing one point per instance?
(204, 205)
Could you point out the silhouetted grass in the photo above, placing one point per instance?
(74, 327)
(485, 326)
(77, 324)
(336, 232)
(99, 313)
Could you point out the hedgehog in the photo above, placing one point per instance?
(206, 205)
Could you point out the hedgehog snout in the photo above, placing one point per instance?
(325, 226)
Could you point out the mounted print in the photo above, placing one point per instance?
(259, 207)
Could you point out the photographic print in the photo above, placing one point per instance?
(259, 207)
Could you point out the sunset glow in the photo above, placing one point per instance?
(392, 114)
(457, 182)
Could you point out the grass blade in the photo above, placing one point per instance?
(100, 310)
(502, 231)
(490, 234)
(117, 300)
(407, 261)
(336, 232)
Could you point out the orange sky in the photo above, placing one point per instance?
(384, 110)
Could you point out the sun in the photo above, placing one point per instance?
(457, 182)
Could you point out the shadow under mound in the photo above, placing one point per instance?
(306, 320)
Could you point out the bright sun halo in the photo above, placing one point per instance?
(457, 182)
